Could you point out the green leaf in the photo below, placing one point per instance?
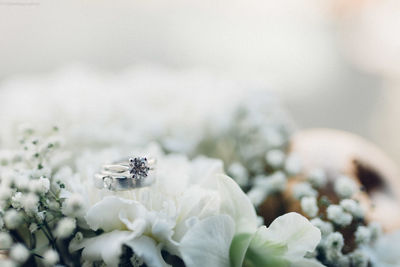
(238, 249)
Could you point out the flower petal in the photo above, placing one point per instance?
(207, 242)
(294, 231)
(236, 204)
(148, 251)
(106, 213)
(106, 247)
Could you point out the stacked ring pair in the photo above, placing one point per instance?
(125, 175)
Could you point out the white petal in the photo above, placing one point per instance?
(106, 213)
(106, 247)
(235, 203)
(146, 248)
(296, 232)
(207, 243)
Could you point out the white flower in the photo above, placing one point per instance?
(363, 235)
(5, 240)
(338, 215)
(73, 206)
(19, 253)
(288, 239)
(50, 257)
(12, 219)
(293, 164)
(40, 186)
(345, 187)
(190, 211)
(309, 206)
(317, 178)
(359, 258)
(334, 243)
(5, 192)
(65, 227)
(16, 200)
(30, 202)
(275, 158)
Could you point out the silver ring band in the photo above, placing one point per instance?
(125, 175)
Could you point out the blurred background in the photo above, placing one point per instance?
(333, 63)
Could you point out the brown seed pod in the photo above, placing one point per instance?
(339, 152)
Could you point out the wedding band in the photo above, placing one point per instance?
(125, 175)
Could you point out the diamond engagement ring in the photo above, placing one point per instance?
(125, 175)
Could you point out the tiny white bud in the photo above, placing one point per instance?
(345, 187)
(40, 186)
(5, 240)
(19, 253)
(338, 215)
(12, 219)
(275, 158)
(352, 207)
(73, 206)
(359, 258)
(16, 200)
(50, 257)
(257, 195)
(5, 192)
(239, 173)
(65, 227)
(317, 178)
(30, 202)
(33, 227)
(334, 241)
(363, 235)
(293, 165)
(376, 230)
(309, 206)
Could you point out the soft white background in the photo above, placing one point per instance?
(334, 63)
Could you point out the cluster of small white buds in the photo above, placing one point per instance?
(336, 214)
(353, 207)
(333, 246)
(30, 203)
(40, 186)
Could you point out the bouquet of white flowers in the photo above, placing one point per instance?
(70, 195)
